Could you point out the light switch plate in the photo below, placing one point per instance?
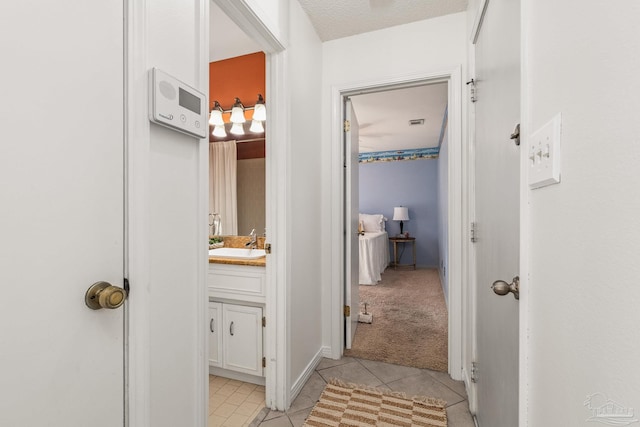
(544, 154)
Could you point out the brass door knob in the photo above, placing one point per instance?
(104, 295)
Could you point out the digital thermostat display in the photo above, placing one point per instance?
(177, 105)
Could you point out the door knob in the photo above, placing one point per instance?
(104, 295)
(501, 287)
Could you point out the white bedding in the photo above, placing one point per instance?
(374, 256)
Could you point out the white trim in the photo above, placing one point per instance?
(326, 351)
(240, 376)
(477, 23)
(276, 348)
(306, 374)
(137, 196)
(525, 126)
(455, 199)
(202, 311)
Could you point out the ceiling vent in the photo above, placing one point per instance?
(415, 122)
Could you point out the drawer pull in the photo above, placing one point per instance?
(231, 328)
(211, 326)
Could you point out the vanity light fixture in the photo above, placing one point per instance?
(238, 118)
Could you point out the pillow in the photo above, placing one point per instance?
(372, 223)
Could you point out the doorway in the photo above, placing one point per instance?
(401, 173)
(454, 207)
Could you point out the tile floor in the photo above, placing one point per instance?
(412, 381)
(233, 403)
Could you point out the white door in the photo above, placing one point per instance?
(61, 210)
(497, 212)
(351, 242)
(242, 342)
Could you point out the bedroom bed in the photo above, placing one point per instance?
(373, 249)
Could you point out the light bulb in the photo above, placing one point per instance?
(256, 126)
(237, 129)
(219, 131)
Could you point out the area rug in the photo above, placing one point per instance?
(409, 321)
(347, 405)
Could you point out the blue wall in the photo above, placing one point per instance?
(410, 183)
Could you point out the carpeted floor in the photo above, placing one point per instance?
(343, 405)
(409, 321)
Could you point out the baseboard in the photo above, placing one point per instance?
(225, 373)
(306, 374)
(327, 352)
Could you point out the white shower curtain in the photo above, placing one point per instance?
(223, 160)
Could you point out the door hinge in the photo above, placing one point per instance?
(474, 372)
(267, 248)
(347, 311)
(347, 125)
(264, 362)
(264, 322)
(474, 232)
(472, 90)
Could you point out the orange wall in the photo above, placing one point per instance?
(242, 77)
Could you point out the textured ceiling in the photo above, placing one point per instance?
(383, 118)
(334, 19)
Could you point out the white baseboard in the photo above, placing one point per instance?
(225, 373)
(327, 352)
(306, 374)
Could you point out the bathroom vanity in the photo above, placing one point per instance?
(236, 289)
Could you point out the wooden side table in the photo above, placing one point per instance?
(404, 241)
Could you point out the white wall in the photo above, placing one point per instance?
(176, 216)
(443, 214)
(378, 55)
(304, 79)
(583, 293)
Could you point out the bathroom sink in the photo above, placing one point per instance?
(237, 253)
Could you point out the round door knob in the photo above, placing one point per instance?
(500, 287)
(104, 295)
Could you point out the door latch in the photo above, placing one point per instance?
(516, 134)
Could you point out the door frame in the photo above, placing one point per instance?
(457, 205)
(137, 206)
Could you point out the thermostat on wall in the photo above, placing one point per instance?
(177, 105)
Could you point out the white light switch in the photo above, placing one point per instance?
(544, 154)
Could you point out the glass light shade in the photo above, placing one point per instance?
(256, 126)
(260, 112)
(237, 129)
(401, 214)
(215, 119)
(219, 131)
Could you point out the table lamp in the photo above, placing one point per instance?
(401, 214)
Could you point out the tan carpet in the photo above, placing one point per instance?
(409, 321)
(343, 405)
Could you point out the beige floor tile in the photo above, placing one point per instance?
(256, 397)
(216, 421)
(228, 389)
(235, 383)
(248, 409)
(247, 388)
(235, 420)
(237, 398)
(225, 410)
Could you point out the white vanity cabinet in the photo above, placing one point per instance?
(236, 305)
(215, 335)
(242, 339)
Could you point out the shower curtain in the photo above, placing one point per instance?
(223, 185)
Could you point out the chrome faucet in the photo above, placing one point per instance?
(253, 243)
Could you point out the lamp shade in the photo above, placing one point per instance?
(237, 129)
(219, 131)
(237, 113)
(256, 126)
(215, 118)
(401, 213)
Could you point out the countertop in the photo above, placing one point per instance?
(239, 242)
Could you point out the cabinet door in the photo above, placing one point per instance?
(242, 343)
(215, 334)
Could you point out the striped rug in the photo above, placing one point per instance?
(343, 405)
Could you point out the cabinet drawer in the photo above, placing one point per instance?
(230, 280)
